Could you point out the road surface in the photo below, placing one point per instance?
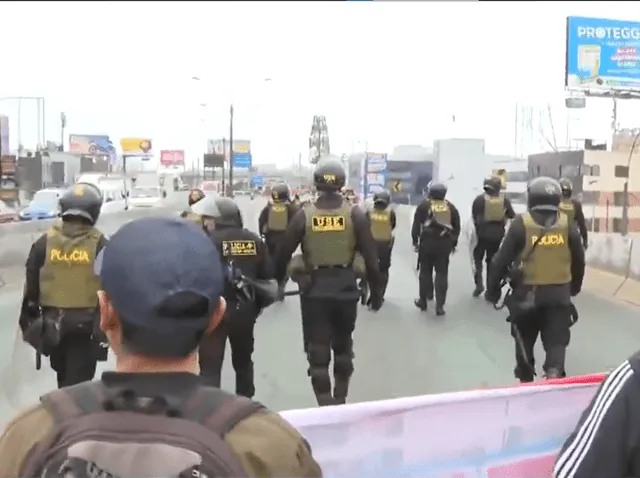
(400, 351)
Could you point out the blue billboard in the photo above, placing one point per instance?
(257, 181)
(242, 160)
(374, 177)
(602, 54)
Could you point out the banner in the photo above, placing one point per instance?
(173, 157)
(4, 135)
(374, 174)
(514, 432)
(136, 147)
(242, 157)
(602, 54)
(96, 144)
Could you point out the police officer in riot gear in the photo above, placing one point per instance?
(60, 294)
(489, 212)
(331, 232)
(243, 254)
(573, 209)
(383, 223)
(542, 259)
(275, 216)
(195, 195)
(435, 232)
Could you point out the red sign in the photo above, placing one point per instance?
(173, 157)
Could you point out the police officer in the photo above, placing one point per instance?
(195, 195)
(435, 232)
(489, 212)
(350, 195)
(573, 209)
(331, 232)
(383, 223)
(549, 269)
(275, 216)
(243, 254)
(61, 288)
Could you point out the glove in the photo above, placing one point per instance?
(375, 301)
(585, 244)
(574, 315)
(416, 248)
(281, 291)
(492, 296)
(575, 290)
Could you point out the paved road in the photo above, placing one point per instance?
(399, 351)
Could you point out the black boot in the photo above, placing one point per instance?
(420, 304)
(440, 310)
(477, 278)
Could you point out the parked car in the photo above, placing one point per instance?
(8, 214)
(145, 196)
(43, 205)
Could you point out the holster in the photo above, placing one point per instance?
(519, 302)
(298, 272)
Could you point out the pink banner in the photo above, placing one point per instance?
(172, 157)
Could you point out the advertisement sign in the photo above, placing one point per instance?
(513, 432)
(96, 144)
(136, 147)
(4, 135)
(241, 151)
(375, 173)
(257, 181)
(172, 157)
(602, 54)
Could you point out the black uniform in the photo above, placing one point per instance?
(573, 208)
(59, 314)
(545, 279)
(244, 254)
(489, 212)
(270, 224)
(329, 302)
(435, 232)
(606, 440)
(383, 222)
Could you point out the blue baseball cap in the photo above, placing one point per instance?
(164, 276)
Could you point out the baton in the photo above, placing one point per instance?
(38, 360)
(523, 350)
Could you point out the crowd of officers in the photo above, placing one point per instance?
(345, 256)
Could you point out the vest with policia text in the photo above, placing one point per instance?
(67, 279)
(329, 237)
(494, 209)
(440, 213)
(278, 217)
(381, 229)
(550, 263)
(567, 207)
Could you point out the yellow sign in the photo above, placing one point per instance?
(75, 256)
(241, 147)
(136, 146)
(397, 186)
(239, 248)
(279, 208)
(328, 223)
(502, 174)
(549, 240)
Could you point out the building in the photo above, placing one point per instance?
(515, 172)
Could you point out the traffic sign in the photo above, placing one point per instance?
(257, 181)
(397, 186)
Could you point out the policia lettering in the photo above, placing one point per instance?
(67, 279)
(278, 218)
(552, 261)
(239, 248)
(381, 229)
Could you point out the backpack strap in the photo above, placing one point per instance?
(218, 410)
(71, 402)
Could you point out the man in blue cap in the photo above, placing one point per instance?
(162, 283)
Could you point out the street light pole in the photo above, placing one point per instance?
(42, 134)
(625, 191)
(231, 151)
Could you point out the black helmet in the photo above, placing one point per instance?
(543, 194)
(82, 200)
(329, 175)
(437, 190)
(492, 185)
(567, 187)
(195, 195)
(382, 198)
(224, 211)
(280, 192)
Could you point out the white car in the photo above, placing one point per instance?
(145, 196)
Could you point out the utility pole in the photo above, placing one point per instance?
(231, 151)
(224, 158)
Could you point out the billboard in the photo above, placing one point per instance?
(97, 144)
(136, 147)
(4, 135)
(374, 174)
(172, 157)
(241, 151)
(602, 54)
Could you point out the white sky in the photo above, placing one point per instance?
(382, 73)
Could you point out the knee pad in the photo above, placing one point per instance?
(343, 365)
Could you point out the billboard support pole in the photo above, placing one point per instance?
(625, 195)
(231, 151)
(224, 156)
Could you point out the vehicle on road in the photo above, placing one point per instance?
(147, 196)
(43, 205)
(8, 214)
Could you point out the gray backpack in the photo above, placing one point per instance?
(108, 433)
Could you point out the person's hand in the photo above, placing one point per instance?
(416, 248)
(492, 296)
(585, 244)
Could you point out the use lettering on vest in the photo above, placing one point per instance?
(278, 208)
(439, 207)
(379, 217)
(328, 223)
(239, 248)
(549, 240)
(74, 256)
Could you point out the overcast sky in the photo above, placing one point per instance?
(382, 73)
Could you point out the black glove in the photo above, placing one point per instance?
(574, 315)
(375, 301)
(492, 295)
(575, 290)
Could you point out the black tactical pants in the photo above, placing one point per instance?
(237, 326)
(74, 359)
(329, 325)
(553, 324)
(384, 263)
(434, 259)
(273, 239)
(485, 249)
